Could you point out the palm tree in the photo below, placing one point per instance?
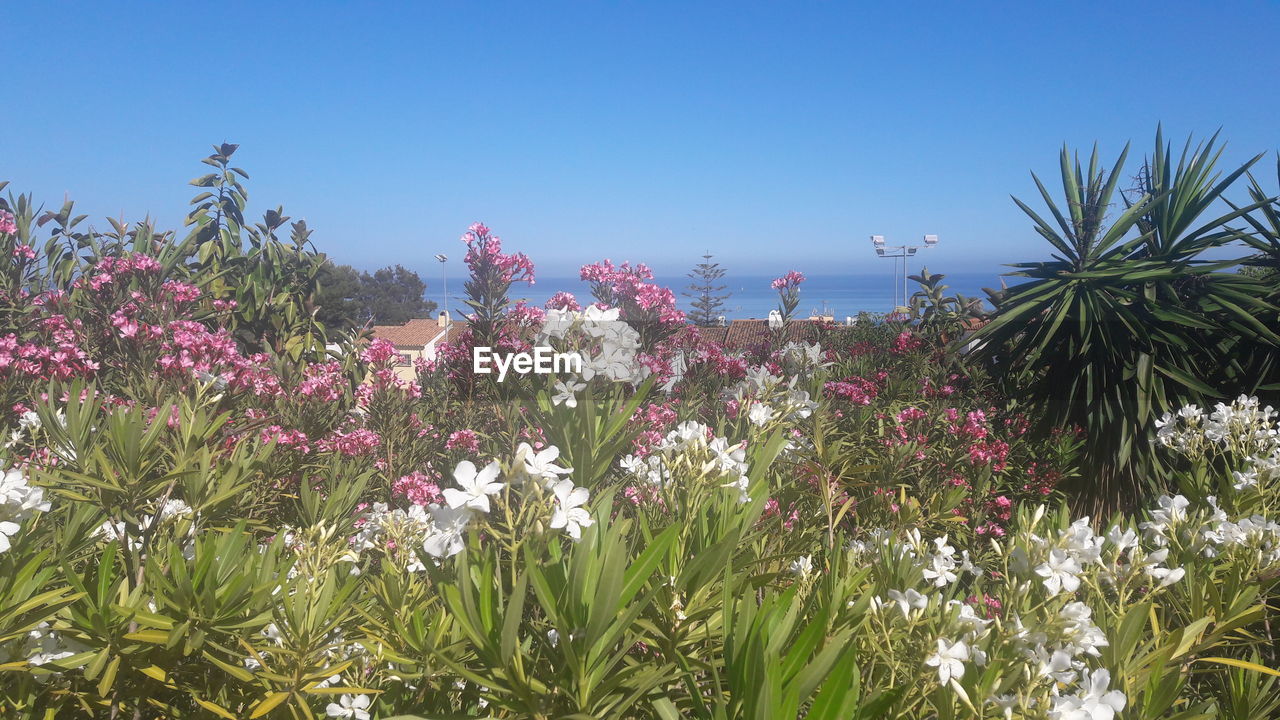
(1127, 319)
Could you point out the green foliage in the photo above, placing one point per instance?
(1129, 317)
(350, 299)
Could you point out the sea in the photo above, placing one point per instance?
(750, 296)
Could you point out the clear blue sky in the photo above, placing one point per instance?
(777, 135)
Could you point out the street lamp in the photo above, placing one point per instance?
(444, 281)
(904, 252)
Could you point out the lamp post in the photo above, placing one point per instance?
(444, 282)
(904, 252)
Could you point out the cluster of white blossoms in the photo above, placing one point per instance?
(1242, 429)
(802, 358)
(767, 398)
(1211, 532)
(169, 510)
(1061, 645)
(693, 446)
(1115, 557)
(18, 501)
(440, 529)
(28, 423)
(607, 346)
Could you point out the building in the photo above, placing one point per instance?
(418, 338)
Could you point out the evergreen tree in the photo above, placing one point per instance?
(349, 298)
(708, 302)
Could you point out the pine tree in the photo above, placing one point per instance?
(708, 303)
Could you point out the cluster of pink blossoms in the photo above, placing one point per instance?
(62, 360)
(7, 224)
(993, 453)
(110, 269)
(929, 390)
(379, 353)
(293, 439)
(484, 251)
(626, 287)
(180, 292)
(418, 489)
(653, 420)
(789, 281)
(856, 390)
(773, 509)
(526, 315)
(128, 326)
(323, 381)
(973, 426)
(563, 301)
(352, 443)
(466, 440)
(192, 351)
(906, 342)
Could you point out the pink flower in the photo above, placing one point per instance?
(379, 353)
(418, 489)
(563, 301)
(466, 440)
(791, 280)
(7, 224)
(906, 342)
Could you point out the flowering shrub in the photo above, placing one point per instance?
(195, 523)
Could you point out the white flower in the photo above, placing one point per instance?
(760, 414)
(1166, 576)
(349, 706)
(1059, 572)
(968, 617)
(565, 393)
(445, 539)
(942, 565)
(743, 483)
(1058, 666)
(1006, 703)
(1246, 479)
(1123, 541)
(569, 513)
(17, 502)
(541, 464)
(908, 600)
(1093, 702)
(476, 487)
(633, 464)
(594, 315)
(949, 660)
(1080, 634)
(557, 322)
(1172, 510)
(1080, 541)
(802, 566)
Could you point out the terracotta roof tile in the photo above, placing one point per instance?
(745, 334)
(414, 333)
(710, 334)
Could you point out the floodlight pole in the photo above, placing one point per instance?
(904, 252)
(444, 282)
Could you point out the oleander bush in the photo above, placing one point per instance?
(210, 509)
